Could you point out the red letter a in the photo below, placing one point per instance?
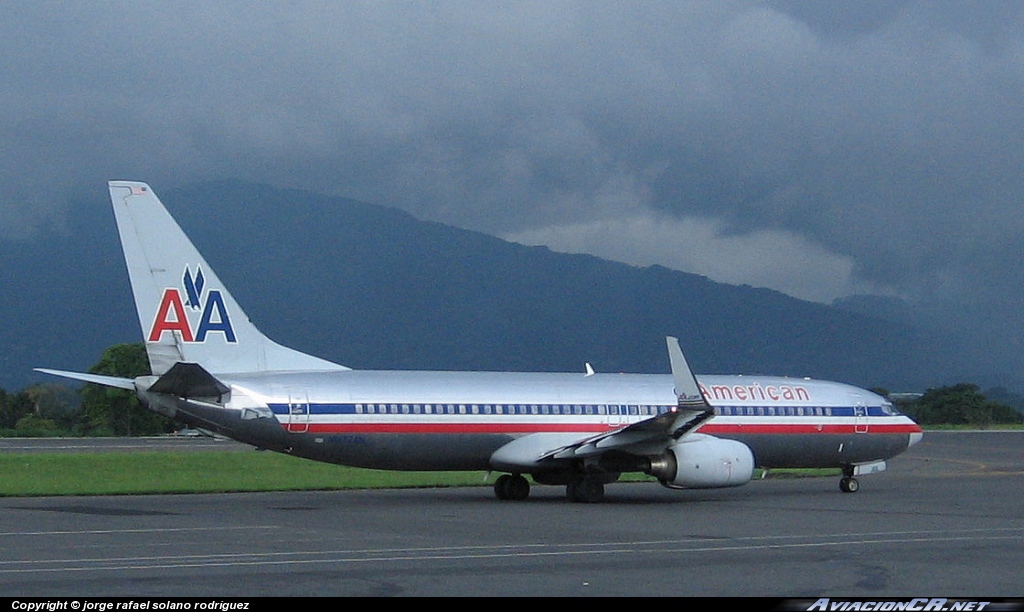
(170, 301)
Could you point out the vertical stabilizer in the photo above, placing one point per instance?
(186, 313)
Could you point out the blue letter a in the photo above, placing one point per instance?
(214, 302)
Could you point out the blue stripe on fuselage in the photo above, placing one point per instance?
(568, 410)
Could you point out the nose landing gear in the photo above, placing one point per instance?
(848, 484)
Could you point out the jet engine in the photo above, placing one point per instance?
(704, 462)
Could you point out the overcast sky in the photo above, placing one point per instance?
(818, 148)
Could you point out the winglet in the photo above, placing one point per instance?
(686, 388)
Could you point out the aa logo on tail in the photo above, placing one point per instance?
(172, 315)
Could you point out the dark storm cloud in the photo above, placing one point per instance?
(876, 144)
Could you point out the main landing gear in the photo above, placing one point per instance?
(512, 487)
(584, 490)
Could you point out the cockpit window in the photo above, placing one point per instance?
(889, 409)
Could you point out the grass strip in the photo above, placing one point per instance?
(154, 472)
(29, 474)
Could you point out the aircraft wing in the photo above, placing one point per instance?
(691, 410)
(643, 438)
(650, 436)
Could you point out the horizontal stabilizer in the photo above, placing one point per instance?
(187, 380)
(99, 379)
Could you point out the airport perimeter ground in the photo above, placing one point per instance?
(946, 520)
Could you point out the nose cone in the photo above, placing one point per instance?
(915, 438)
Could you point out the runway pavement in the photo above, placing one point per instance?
(946, 520)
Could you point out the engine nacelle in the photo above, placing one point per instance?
(704, 462)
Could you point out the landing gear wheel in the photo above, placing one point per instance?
(518, 487)
(512, 487)
(849, 485)
(501, 486)
(585, 491)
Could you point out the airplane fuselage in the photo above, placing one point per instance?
(418, 420)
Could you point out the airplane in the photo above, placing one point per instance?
(212, 369)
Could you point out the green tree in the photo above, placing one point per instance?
(5, 419)
(118, 412)
(13, 407)
(33, 426)
(55, 403)
(1005, 396)
(960, 404)
(49, 409)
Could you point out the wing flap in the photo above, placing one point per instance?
(638, 438)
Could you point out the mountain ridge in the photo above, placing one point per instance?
(373, 287)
